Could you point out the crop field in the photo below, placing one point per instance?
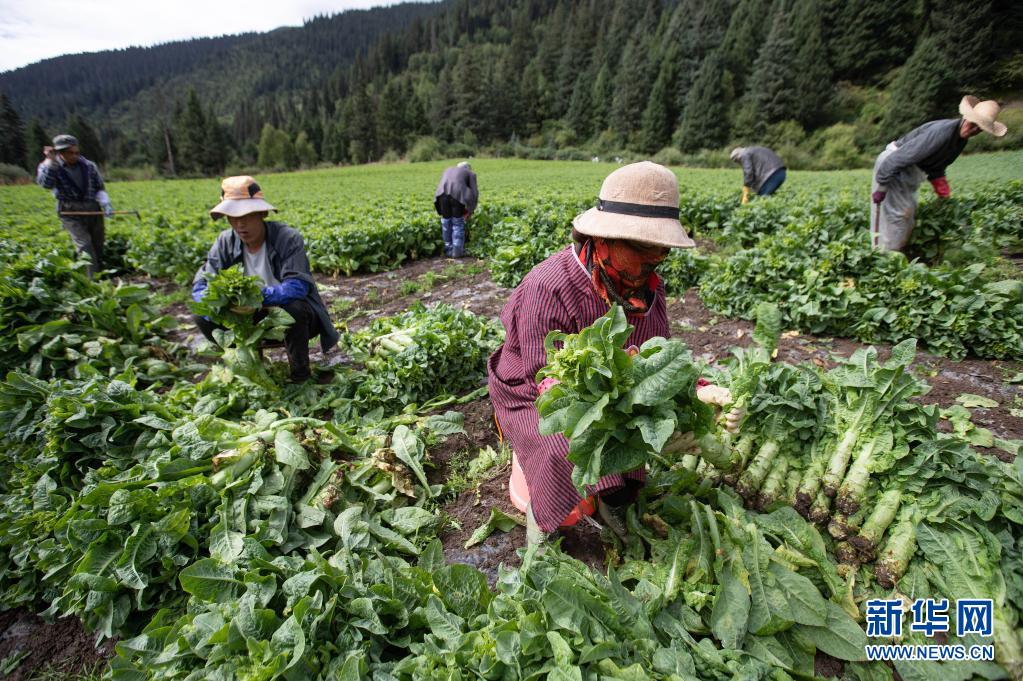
(172, 511)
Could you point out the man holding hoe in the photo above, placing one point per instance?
(78, 187)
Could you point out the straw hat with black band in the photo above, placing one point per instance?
(637, 202)
(983, 114)
(240, 195)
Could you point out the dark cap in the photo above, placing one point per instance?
(61, 142)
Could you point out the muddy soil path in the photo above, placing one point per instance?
(61, 649)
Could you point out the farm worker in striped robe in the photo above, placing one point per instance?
(78, 187)
(763, 171)
(455, 200)
(925, 152)
(276, 254)
(617, 247)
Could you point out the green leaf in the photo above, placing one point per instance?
(971, 401)
(445, 625)
(659, 376)
(841, 637)
(410, 519)
(431, 558)
(730, 615)
(208, 580)
(805, 601)
(448, 423)
(410, 450)
(289, 450)
(655, 432)
(289, 640)
(463, 589)
(499, 520)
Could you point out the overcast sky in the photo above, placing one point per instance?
(31, 30)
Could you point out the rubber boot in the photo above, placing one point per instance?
(535, 536)
(613, 517)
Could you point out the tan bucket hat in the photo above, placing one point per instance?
(638, 202)
(983, 114)
(239, 195)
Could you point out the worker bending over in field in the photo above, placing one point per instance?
(455, 201)
(926, 151)
(78, 188)
(617, 247)
(276, 254)
(762, 170)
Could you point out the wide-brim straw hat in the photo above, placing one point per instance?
(637, 202)
(240, 195)
(983, 114)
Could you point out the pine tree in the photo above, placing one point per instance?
(919, 90)
(268, 154)
(812, 74)
(88, 140)
(658, 116)
(575, 56)
(392, 123)
(705, 122)
(745, 36)
(866, 38)
(930, 83)
(361, 129)
(216, 146)
(771, 96)
(304, 151)
(36, 139)
(190, 134)
(334, 143)
(602, 97)
(580, 108)
(633, 80)
(12, 134)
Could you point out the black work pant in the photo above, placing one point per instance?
(448, 207)
(296, 340)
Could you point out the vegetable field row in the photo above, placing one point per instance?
(224, 525)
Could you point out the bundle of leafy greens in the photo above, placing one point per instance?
(423, 353)
(618, 411)
(56, 322)
(234, 301)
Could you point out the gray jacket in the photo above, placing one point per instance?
(758, 164)
(932, 147)
(459, 184)
(285, 250)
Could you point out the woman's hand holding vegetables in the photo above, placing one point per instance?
(709, 393)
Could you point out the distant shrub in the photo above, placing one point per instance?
(669, 156)
(572, 154)
(131, 174)
(838, 148)
(426, 148)
(11, 174)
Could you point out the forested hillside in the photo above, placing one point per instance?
(825, 79)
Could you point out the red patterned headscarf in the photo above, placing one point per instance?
(620, 273)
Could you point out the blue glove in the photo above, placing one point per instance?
(285, 292)
(108, 209)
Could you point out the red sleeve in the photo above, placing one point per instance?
(941, 187)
